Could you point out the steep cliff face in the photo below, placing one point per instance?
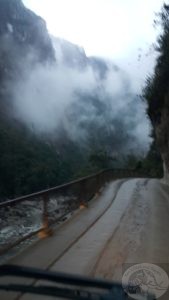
(162, 138)
(25, 28)
(23, 34)
(157, 91)
(70, 54)
(74, 56)
(62, 114)
(158, 110)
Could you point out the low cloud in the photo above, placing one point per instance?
(79, 98)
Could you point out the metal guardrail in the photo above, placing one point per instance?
(74, 194)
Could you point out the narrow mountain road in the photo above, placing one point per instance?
(127, 224)
(142, 235)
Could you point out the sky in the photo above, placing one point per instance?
(119, 30)
(109, 28)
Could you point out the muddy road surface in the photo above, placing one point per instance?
(127, 224)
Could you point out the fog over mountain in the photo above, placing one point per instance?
(62, 114)
(84, 95)
(57, 86)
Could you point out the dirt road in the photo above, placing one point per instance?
(127, 224)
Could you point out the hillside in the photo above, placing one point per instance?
(62, 114)
(156, 91)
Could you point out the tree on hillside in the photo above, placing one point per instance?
(157, 86)
(156, 91)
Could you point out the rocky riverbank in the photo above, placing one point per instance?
(24, 218)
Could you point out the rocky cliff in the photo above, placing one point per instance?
(23, 37)
(62, 114)
(19, 24)
(157, 91)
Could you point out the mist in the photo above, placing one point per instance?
(85, 97)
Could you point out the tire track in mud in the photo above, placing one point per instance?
(117, 188)
(90, 226)
(121, 257)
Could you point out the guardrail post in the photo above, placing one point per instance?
(46, 230)
(83, 195)
(98, 185)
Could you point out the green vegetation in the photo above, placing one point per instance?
(156, 94)
(157, 87)
(30, 162)
(152, 164)
(25, 163)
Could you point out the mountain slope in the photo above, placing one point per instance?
(62, 114)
